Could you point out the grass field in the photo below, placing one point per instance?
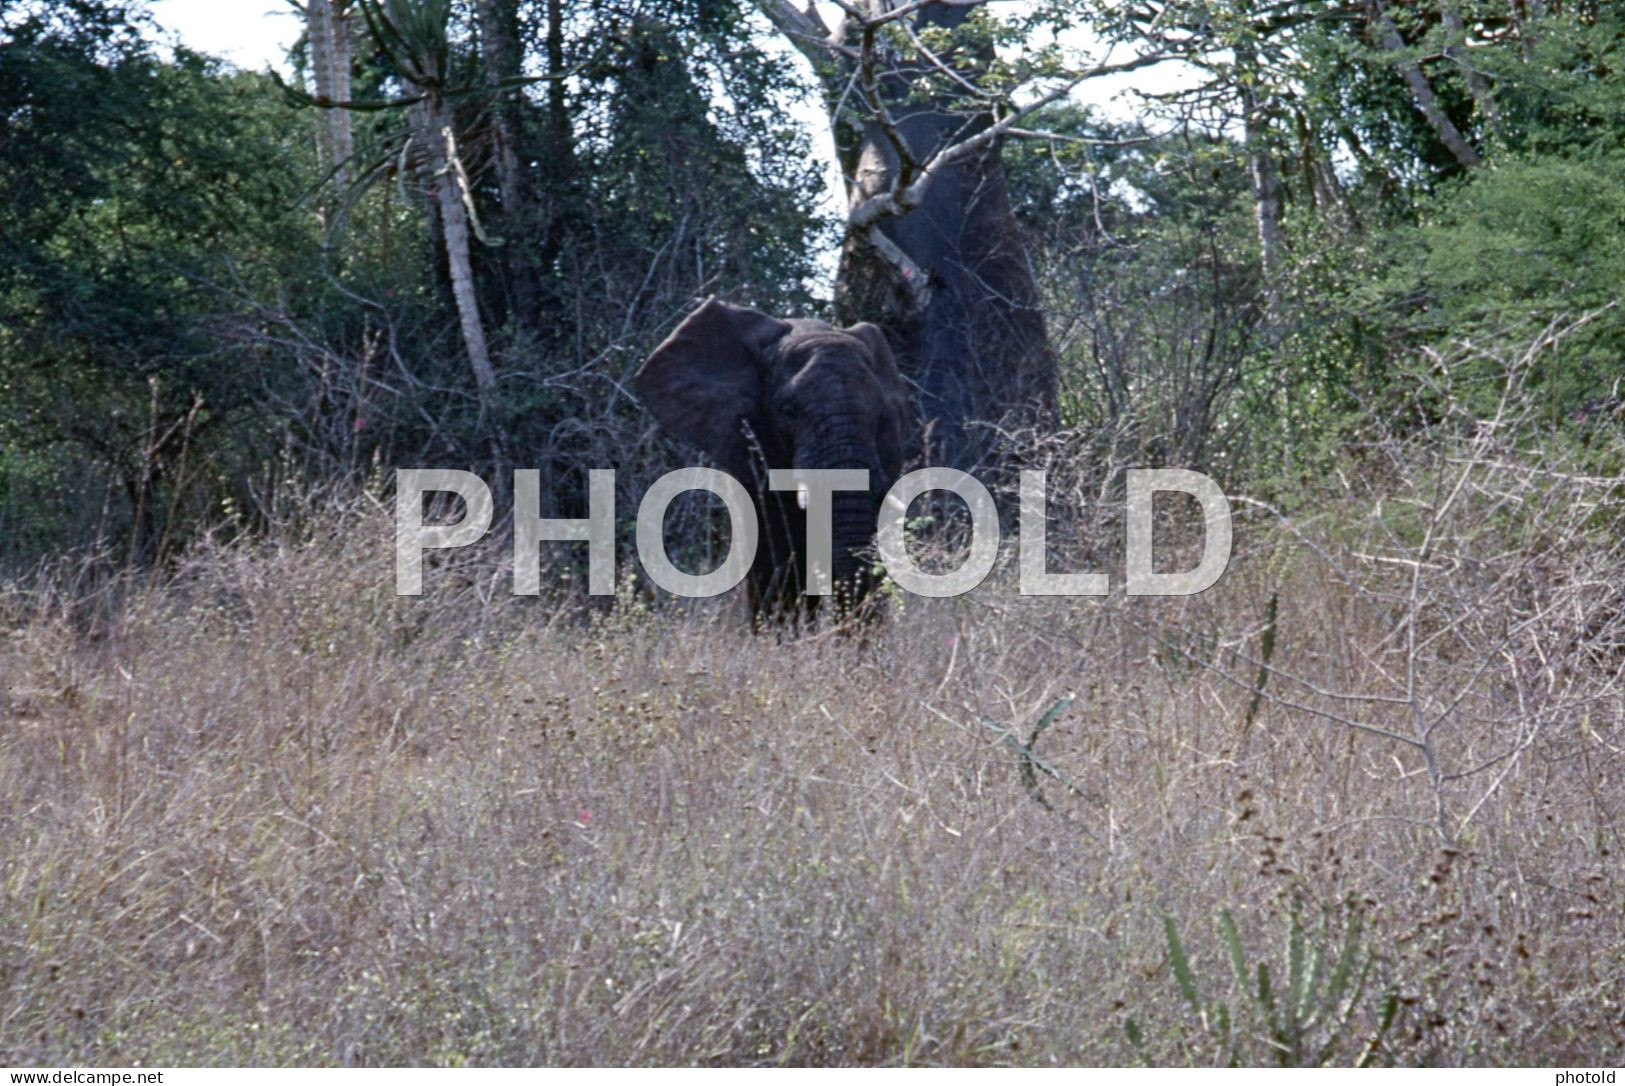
(264, 811)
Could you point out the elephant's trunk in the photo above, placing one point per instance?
(835, 442)
(852, 521)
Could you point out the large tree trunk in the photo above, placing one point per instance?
(936, 257)
(974, 339)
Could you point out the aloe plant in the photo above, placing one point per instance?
(1310, 1020)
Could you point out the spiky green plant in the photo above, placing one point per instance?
(1313, 1020)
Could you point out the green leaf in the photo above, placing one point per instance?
(1344, 967)
(1181, 964)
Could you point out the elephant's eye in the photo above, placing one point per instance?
(786, 408)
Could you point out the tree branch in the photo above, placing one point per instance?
(805, 30)
(1422, 91)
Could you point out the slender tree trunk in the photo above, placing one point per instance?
(328, 26)
(1320, 179)
(1422, 91)
(459, 260)
(433, 128)
(558, 151)
(434, 132)
(499, 37)
(1266, 185)
(499, 34)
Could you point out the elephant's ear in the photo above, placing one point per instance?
(708, 375)
(885, 365)
(896, 430)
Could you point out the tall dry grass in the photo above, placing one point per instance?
(268, 812)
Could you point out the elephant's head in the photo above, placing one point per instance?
(755, 392)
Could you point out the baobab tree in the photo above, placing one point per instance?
(921, 102)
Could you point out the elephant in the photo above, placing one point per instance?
(756, 393)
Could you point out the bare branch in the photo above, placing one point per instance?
(1422, 91)
(805, 30)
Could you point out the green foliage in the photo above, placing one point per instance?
(1147, 259)
(1393, 250)
(182, 306)
(731, 187)
(1316, 1009)
(412, 31)
(1557, 82)
(186, 312)
(1527, 242)
(132, 190)
(1484, 257)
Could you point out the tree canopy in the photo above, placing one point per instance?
(459, 228)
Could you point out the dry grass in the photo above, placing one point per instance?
(270, 813)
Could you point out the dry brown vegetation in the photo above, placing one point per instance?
(268, 812)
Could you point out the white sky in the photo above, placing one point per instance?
(249, 33)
